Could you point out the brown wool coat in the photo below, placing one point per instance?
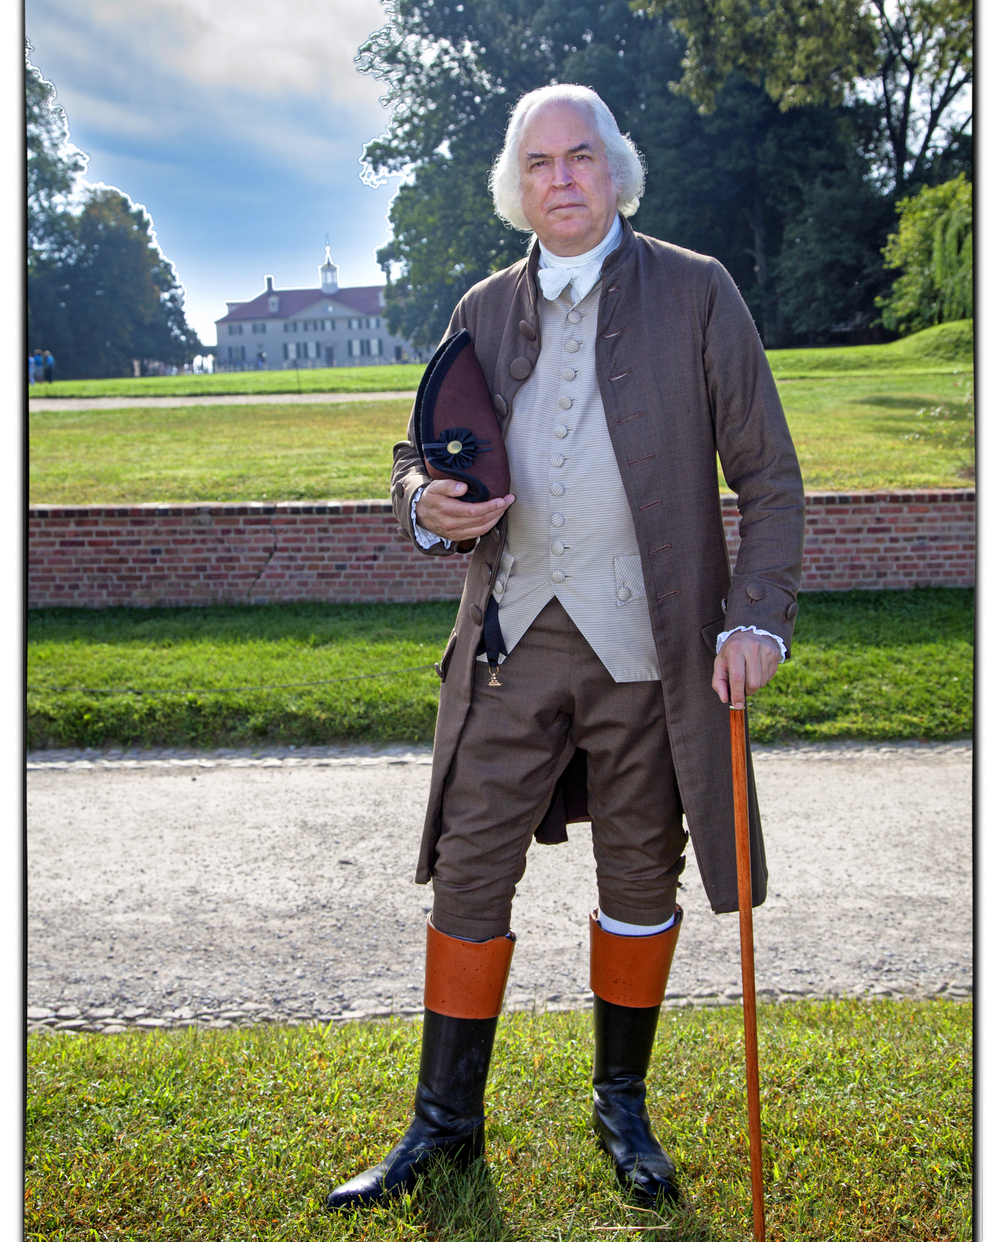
(683, 376)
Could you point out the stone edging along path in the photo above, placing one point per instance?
(810, 770)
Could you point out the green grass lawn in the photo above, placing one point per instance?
(402, 377)
(866, 664)
(943, 347)
(848, 431)
(866, 1120)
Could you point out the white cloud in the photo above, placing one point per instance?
(261, 47)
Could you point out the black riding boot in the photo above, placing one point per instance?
(623, 1043)
(448, 1118)
(628, 975)
(463, 995)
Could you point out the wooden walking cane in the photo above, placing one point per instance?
(737, 739)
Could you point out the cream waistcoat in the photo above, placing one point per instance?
(570, 532)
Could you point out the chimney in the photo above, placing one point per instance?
(269, 281)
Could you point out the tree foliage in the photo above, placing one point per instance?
(100, 291)
(110, 296)
(53, 163)
(913, 56)
(933, 246)
(736, 183)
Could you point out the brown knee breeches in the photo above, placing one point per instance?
(517, 739)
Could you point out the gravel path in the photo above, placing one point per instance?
(235, 887)
(40, 404)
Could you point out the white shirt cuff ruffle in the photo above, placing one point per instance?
(425, 538)
(754, 630)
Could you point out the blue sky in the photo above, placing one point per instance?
(238, 124)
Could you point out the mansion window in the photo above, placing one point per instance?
(302, 349)
(353, 324)
(235, 329)
(237, 353)
(372, 323)
(273, 304)
(259, 327)
(291, 325)
(365, 348)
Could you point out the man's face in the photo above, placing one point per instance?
(567, 193)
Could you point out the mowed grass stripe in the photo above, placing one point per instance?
(866, 1118)
(945, 346)
(865, 664)
(847, 431)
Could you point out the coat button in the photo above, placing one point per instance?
(755, 591)
(574, 316)
(520, 368)
(476, 613)
(568, 374)
(560, 431)
(487, 572)
(500, 406)
(556, 489)
(557, 548)
(624, 594)
(527, 331)
(557, 460)
(557, 519)
(791, 611)
(572, 346)
(557, 576)
(565, 403)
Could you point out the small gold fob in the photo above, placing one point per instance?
(494, 680)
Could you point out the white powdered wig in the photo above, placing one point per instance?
(628, 172)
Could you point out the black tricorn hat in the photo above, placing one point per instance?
(457, 431)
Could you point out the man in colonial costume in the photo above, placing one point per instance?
(600, 634)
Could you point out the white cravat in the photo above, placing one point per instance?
(580, 271)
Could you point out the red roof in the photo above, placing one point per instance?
(364, 299)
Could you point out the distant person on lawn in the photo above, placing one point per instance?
(619, 366)
(50, 367)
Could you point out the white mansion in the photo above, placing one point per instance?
(324, 327)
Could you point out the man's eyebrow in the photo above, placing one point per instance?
(544, 155)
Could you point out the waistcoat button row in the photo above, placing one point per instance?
(574, 316)
(568, 374)
(572, 346)
(557, 460)
(557, 576)
(557, 489)
(565, 403)
(560, 431)
(624, 594)
(558, 548)
(557, 519)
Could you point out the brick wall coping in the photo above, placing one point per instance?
(957, 495)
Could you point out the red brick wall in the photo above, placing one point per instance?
(352, 551)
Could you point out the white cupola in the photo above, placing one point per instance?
(328, 274)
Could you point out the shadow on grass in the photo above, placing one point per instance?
(452, 1205)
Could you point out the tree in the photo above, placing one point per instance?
(726, 183)
(100, 291)
(53, 163)
(933, 246)
(111, 297)
(913, 56)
